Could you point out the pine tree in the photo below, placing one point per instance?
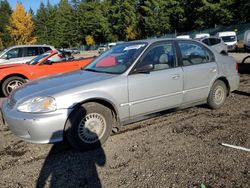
(40, 21)
(64, 24)
(5, 12)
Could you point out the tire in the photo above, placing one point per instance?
(11, 84)
(89, 126)
(217, 95)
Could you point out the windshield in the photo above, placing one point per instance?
(2, 52)
(118, 59)
(229, 38)
(37, 59)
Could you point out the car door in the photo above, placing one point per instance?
(160, 88)
(199, 70)
(30, 53)
(54, 65)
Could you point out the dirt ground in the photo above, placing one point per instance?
(176, 149)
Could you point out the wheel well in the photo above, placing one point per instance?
(11, 75)
(226, 83)
(223, 52)
(108, 104)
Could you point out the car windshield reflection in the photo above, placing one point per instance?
(118, 59)
(37, 59)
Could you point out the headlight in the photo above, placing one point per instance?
(38, 105)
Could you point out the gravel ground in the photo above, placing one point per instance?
(176, 149)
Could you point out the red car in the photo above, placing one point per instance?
(52, 62)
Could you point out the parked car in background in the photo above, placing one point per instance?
(230, 39)
(130, 81)
(201, 35)
(102, 48)
(216, 43)
(247, 41)
(71, 50)
(183, 37)
(51, 62)
(22, 53)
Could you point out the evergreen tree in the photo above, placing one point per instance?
(64, 24)
(123, 19)
(92, 22)
(5, 12)
(41, 27)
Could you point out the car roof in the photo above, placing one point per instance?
(151, 41)
(32, 45)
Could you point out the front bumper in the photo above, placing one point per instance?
(36, 128)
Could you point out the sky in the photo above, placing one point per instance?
(34, 4)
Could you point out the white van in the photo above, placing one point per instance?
(247, 41)
(230, 39)
(201, 35)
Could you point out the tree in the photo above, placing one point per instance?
(123, 19)
(41, 26)
(64, 24)
(5, 12)
(21, 26)
(154, 18)
(89, 40)
(211, 13)
(92, 22)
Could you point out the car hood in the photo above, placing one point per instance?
(4, 66)
(53, 85)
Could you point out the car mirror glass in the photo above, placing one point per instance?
(144, 69)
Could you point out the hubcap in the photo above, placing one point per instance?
(219, 95)
(92, 128)
(12, 85)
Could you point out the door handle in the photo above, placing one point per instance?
(213, 70)
(176, 76)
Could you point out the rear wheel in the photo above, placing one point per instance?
(217, 95)
(11, 84)
(89, 126)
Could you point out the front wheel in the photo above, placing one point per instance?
(89, 126)
(11, 84)
(217, 95)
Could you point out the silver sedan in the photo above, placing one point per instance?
(131, 81)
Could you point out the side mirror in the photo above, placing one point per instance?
(144, 69)
(5, 56)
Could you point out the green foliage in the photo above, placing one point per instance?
(5, 13)
(70, 23)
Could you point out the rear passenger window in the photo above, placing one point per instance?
(214, 41)
(206, 41)
(32, 51)
(193, 54)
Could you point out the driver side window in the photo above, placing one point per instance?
(161, 57)
(15, 53)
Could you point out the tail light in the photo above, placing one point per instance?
(236, 66)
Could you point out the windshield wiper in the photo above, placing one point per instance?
(91, 70)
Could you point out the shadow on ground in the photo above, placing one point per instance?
(65, 167)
